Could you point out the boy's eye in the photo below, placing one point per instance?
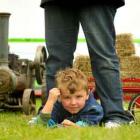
(66, 97)
(79, 96)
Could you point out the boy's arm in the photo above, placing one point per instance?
(44, 116)
(53, 96)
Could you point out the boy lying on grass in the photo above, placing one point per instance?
(70, 104)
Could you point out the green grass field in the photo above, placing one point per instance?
(14, 126)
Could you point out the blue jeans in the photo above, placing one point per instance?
(61, 29)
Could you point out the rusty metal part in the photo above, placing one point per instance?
(28, 101)
(29, 77)
(12, 106)
(40, 59)
(2, 97)
(44, 94)
(21, 82)
(8, 80)
(4, 27)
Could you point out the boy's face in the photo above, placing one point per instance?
(73, 103)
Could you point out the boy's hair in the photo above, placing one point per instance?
(71, 79)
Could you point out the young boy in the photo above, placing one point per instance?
(70, 104)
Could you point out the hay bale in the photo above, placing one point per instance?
(82, 62)
(130, 64)
(127, 74)
(131, 84)
(124, 45)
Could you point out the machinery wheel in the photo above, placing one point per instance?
(44, 95)
(40, 59)
(134, 106)
(29, 102)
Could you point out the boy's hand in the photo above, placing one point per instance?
(67, 123)
(54, 93)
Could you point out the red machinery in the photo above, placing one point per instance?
(132, 94)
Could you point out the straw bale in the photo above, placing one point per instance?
(82, 62)
(125, 52)
(124, 44)
(121, 36)
(130, 64)
(127, 74)
(129, 67)
(131, 84)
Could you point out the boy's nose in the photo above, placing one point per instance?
(73, 101)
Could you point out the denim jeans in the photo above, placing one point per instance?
(61, 33)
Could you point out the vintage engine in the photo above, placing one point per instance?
(17, 75)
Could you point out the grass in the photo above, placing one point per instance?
(14, 126)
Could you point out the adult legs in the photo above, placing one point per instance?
(98, 26)
(61, 31)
